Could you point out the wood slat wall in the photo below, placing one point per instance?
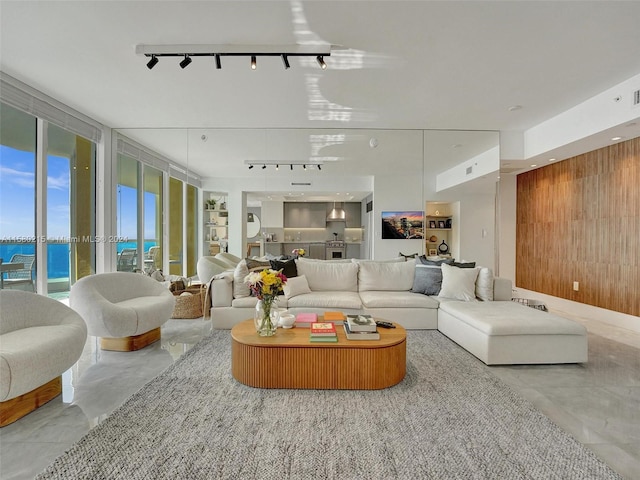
(579, 220)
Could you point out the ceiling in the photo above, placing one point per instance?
(443, 65)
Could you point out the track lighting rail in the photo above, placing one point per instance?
(187, 52)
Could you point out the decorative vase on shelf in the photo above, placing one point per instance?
(266, 317)
(443, 247)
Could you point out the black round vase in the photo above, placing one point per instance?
(443, 247)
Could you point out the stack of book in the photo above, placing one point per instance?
(323, 332)
(361, 327)
(336, 317)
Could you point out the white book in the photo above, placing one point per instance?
(360, 335)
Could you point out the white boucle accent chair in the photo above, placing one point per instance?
(126, 310)
(40, 338)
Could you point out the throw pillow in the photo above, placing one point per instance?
(427, 280)
(324, 276)
(458, 283)
(296, 286)
(425, 261)
(288, 267)
(464, 264)
(244, 267)
(484, 284)
(387, 276)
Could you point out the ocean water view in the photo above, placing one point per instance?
(58, 260)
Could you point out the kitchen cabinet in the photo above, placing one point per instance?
(305, 215)
(353, 250)
(352, 209)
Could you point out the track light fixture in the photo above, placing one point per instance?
(153, 62)
(185, 63)
(276, 163)
(285, 52)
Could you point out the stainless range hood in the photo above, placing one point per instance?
(337, 214)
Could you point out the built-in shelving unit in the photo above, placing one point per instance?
(438, 227)
(215, 222)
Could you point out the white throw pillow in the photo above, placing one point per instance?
(459, 283)
(390, 276)
(484, 284)
(330, 277)
(296, 286)
(240, 289)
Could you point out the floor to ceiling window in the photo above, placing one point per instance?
(67, 238)
(17, 196)
(176, 231)
(192, 229)
(153, 216)
(70, 208)
(127, 214)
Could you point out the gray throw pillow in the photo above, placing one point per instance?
(427, 280)
(464, 264)
(424, 261)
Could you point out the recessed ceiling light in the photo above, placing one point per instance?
(615, 139)
(513, 108)
(552, 159)
(534, 164)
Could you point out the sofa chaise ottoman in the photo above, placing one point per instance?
(507, 333)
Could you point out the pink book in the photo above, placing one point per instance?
(306, 319)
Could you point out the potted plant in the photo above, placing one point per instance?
(211, 204)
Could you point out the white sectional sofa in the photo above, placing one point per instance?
(496, 330)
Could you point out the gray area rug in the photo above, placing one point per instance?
(449, 418)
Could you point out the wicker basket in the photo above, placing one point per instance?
(189, 306)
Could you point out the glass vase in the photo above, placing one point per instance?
(266, 317)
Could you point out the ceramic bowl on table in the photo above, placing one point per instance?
(287, 319)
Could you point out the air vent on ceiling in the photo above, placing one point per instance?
(469, 170)
(301, 183)
(636, 98)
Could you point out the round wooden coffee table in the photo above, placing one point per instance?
(290, 360)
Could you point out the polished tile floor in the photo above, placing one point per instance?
(598, 403)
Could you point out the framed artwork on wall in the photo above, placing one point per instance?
(402, 225)
(432, 224)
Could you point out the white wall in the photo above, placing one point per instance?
(506, 228)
